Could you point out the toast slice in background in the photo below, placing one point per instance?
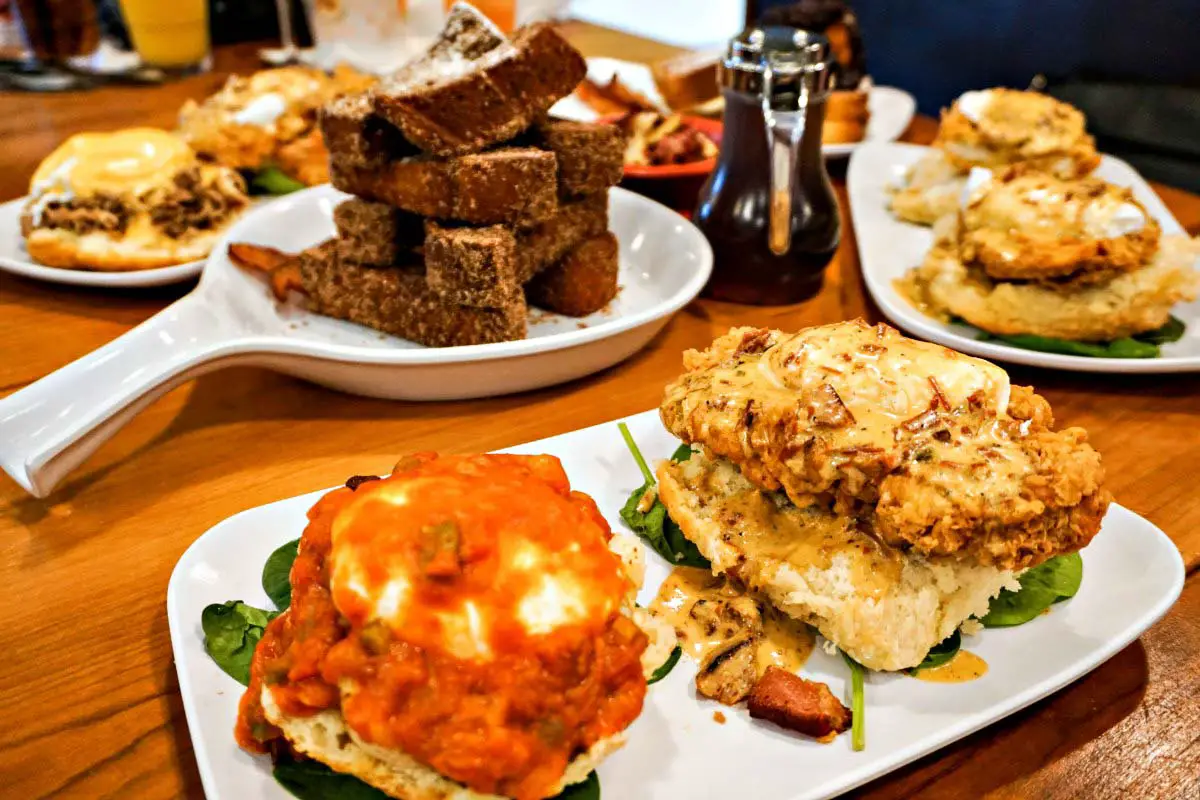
(449, 102)
(397, 300)
(583, 282)
(508, 185)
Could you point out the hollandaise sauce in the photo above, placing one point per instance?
(129, 161)
(963, 667)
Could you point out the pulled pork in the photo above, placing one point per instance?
(99, 212)
(194, 204)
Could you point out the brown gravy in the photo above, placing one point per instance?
(785, 642)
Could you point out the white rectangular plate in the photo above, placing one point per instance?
(889, 247)
(1132, 575)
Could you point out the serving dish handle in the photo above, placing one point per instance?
(51, 426)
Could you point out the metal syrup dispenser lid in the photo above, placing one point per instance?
(786, 69)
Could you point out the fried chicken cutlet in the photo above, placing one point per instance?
(932, 451)
(994, 128)
(1020, 224)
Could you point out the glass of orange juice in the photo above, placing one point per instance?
(169, 34)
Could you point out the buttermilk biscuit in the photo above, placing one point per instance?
(929, 191)
(886, 609)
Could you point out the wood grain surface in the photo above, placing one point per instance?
(88, 693)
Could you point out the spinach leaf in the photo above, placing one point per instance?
(1041, 587)
(312, 780)
(272, 180)
(654, 525)
(682, 453)
(276, 573)
(231, 632)
(666, 667)
(940, 654)
(587, 789)
(1118, 348)
(858, 703)
(1142, 345)
(1172, 331)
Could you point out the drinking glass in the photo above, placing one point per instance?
(171, 35)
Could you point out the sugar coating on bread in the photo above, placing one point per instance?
(453, 104)
(375, 234)
(507, 185)
(472, 266)
(397, 300)
(591, 155)
(583, 282)
(359, 137)
(545, 243)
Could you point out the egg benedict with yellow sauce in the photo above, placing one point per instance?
(879, 488)
(269, 119)
(461, 629)
(127, 200)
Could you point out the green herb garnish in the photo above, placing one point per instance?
(858, 724)
(653, 525)
(272, 180)
(277, 572)
(1142, 345)
(231, 632)
(1041, 587)
(666, 667)
(940, 654)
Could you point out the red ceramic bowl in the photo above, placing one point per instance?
(674, 185)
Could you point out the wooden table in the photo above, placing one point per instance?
(88, 694)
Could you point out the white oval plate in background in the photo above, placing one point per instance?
(1132, 575)
(14, 258)
(888, 247)
(49, 427)
(891, 109)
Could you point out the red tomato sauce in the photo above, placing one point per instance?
(475, 615)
